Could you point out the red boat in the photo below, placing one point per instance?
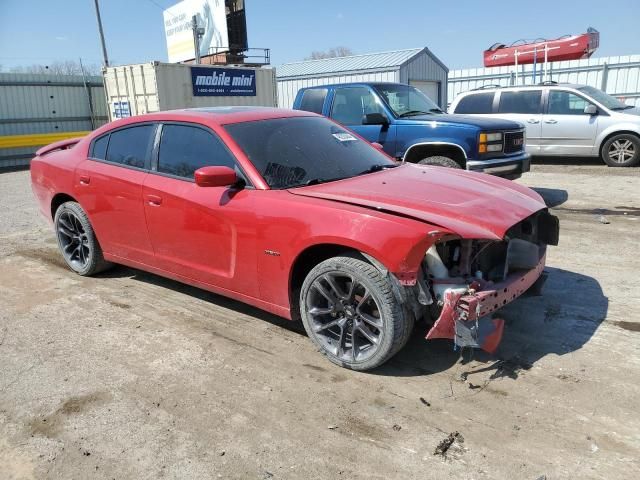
(568, 47)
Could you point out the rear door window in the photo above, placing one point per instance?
(313, 100)
(476, 103)
(131, 146)
(99, 148)
(184, 149)
(527, 102)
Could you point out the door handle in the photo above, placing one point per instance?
(85, 179)
(154, 200)
(533, 120)
(551, 120)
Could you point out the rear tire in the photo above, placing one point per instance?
(346, 298)
(77, 241)
(440, 161)
(621, 151)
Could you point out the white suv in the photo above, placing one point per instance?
(563, 119)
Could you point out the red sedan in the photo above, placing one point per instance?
(292, 213)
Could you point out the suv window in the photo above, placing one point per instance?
(99, 148)
(184, 149)
(350, 105)
(313, 100)
(476, 103)
(131, 146)
(527, 101)
(566, 103)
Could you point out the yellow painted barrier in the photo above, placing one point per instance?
(37, 139)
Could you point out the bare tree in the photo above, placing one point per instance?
(331, 53)
(65, 67)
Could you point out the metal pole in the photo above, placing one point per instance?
(535, 60)
(196, 37)
(515, 55)
(104, 47)
(87, 88)
(546, 66)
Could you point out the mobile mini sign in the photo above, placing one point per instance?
(223, 82)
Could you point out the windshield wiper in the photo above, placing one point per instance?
(411, 113)
(435, 110)
(377, 168)
(626, 107)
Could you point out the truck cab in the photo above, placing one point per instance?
(412, 128)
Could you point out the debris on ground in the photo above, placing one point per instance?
(447, 443)
(397, 428)
(510, 367)
(332, 427)
(425, 402)
(603, 219)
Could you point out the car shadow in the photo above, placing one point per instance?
(560, 321)
(120, 271)
(557, 160)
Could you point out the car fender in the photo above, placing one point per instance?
(623, 127)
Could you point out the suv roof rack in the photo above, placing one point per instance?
(548, 82)
(482, 87)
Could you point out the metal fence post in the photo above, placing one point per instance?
(605, 75)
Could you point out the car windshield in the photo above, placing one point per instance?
(607, 100)
(405, 100)
(297, 151)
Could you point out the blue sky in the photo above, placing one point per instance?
(41, 31)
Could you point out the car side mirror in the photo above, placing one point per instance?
(215, 177)
(374, 119)
(591, 110)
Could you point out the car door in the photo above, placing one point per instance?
(351, 104)
(566, 128)
(108, 185)
(523, 106)
(205, 234)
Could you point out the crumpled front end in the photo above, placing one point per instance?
(469, 280)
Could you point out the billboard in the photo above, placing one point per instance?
(223, 82)
(211, 16)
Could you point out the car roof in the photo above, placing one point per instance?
(217, 115)
(352, 84)
(493, 88)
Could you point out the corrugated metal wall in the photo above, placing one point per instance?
(424, 68)
(36, 104)
(152, 87)
(618, 76)
(288, 87)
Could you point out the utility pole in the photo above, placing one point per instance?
(197, 33)
(104, 47)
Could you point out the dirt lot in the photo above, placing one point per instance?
(130, 376)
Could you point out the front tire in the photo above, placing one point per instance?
(77, 240)
(440, 161)
(621, 151)
(350, 312)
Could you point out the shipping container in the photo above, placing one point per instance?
(152, 87)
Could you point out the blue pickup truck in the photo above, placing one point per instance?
(411, 128)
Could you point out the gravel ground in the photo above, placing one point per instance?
(128, 375)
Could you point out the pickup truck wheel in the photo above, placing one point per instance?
(350, 312)
(621, 151)
(77, 240)
(440, 161)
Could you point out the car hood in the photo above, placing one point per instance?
(466, 120)
(472, 205)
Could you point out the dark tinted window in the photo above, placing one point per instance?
(184, 149)
(99, 149)
(350, 105)
(475, 103)
(565, 103)
(131, 146)
(527, 101)
(291, 152)
(313, 100)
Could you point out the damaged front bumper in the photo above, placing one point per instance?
(466, 315)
